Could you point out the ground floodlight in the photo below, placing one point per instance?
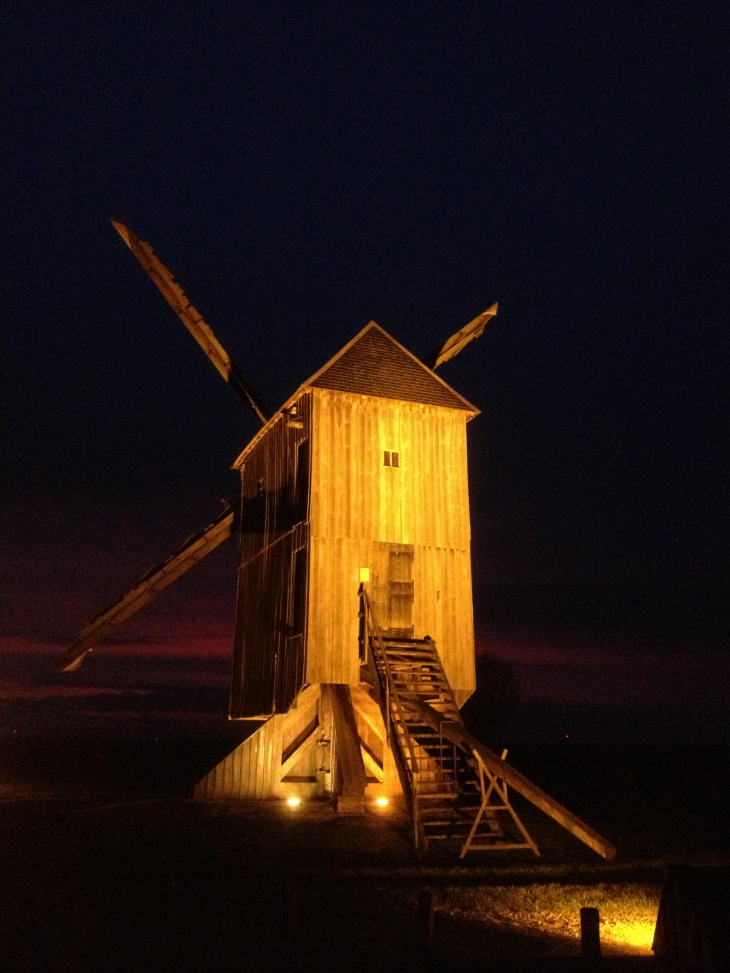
(382, 802)
(293, 801)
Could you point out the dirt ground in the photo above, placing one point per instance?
(108, 865)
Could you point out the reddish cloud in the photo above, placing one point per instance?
(617, 670)
(17, 690)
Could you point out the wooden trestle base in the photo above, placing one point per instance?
(398, 733)
(493, 790)
(331, 744)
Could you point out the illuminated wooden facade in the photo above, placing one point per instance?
(320, 507)
(361, 476)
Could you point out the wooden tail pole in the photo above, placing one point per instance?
(517, 781)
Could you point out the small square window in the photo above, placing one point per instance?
(391, 458)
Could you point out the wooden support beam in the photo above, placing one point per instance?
(352, 779)
(504, 771)
(372, 765)
(304, 747)
(368, 710)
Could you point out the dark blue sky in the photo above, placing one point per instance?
(303, 168)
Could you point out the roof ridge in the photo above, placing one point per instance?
(384, 369)
(395, 385)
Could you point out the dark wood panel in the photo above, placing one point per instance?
(270, 642)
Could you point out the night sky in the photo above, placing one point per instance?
(303, 168)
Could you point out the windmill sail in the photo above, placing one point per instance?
(172, 292)
(157, 579)
(457, 342)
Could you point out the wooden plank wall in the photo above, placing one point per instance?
(253, 770)
(289, 755)
(250, 770)
(268, 668)
(425, 501)
(359, 507)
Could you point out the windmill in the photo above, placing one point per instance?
(354, 639)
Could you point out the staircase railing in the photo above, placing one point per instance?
(391, 706)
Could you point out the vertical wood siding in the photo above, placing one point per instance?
(359, 508)
(269, 656)
(250, 770)
(254, 769)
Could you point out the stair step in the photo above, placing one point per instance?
(399, 671)
(423, 735)
(427, 679)
(409, 645)
(412, 656)
(410, 653)
(433, 746)
(413, 659)
(427, 738)
(424, 685)
(444, 775)
(406, 642)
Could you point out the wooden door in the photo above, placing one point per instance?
(392, 588)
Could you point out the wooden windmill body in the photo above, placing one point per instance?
(354, 635)
(360, 478)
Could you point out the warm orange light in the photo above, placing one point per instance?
(382, 802)
(293, 801)
(637, 934)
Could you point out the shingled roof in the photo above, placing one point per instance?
(373, 363)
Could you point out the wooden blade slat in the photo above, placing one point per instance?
(504, 771)
(173, 294)
(157, 579)
(452, 347)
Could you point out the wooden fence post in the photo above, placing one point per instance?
(590, 934)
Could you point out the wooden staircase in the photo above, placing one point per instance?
(444, 781)
(436, 774)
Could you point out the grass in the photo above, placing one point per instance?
(628, 911)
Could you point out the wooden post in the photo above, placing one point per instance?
(424, 918)
(590, 934)
(350, 770)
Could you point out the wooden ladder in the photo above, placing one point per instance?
(444, 782)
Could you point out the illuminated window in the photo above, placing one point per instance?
(390, 458)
